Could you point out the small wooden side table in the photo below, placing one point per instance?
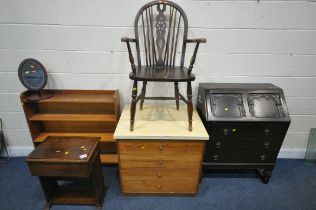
(73, 159)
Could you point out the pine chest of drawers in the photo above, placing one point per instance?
(154, 166)
(246, 123)
(160, 156)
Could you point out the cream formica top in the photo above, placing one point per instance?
(160, 122)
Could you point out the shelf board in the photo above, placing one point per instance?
(109, 158)
(74, 117)
(79, 98)
(74, 195)
(104, 137)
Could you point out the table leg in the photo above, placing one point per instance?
(98, 182)
(49, 186)
(47, 206)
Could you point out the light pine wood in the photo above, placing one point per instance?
(109, 158)
(164, 148)
(160, 156)
(168, 186)
(160, 166)
(146, 162)
(157, 173)
(160, 122)
(85, 113)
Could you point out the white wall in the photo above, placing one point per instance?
(78, 41)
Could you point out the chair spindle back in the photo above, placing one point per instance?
(161, 29)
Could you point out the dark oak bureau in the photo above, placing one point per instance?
(246, 123)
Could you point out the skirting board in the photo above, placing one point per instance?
(18, 151)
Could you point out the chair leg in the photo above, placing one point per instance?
(143, 95)
(133, 105)
(176, 93)
(190, 106)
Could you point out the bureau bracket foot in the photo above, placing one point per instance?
(264, 175)
(47, 206)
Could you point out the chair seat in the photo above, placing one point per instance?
(162, 74)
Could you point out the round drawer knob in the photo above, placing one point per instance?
(263, 157)
(215, 157)
(267, 132)
(159, 187)
(159, 174)
(160, 162)
(218, 144)
(267, 145)
(161, 147)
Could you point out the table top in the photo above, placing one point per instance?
(64, 149)
(160, 122)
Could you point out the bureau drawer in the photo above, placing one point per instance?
(138, 147)
(158, 173)
(246, 131)
(255, 145)
(182, 186)
(239, 157)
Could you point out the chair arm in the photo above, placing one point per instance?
(126, 39)
(197, 40)
(130, 54)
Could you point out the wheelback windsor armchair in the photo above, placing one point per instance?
(161, 29)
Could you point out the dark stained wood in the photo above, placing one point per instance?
(55, 148)
(162, 74)
(86, 113)
(133, 104)
(189, 104)
(57, 158)
(239, 138)
(104, 137)
(176, 93)
(143, 95)
(161, 29)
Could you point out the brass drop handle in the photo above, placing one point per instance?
(267, 145)
(267, 132)
(225, 131)
(218, 144)
(160, 162)
(263, 157)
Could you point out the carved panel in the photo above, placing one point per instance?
(265, 105)
(227, 105)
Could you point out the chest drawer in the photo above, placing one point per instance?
(139, 147)
(182, 186)
(156, 163)
(158, 173)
